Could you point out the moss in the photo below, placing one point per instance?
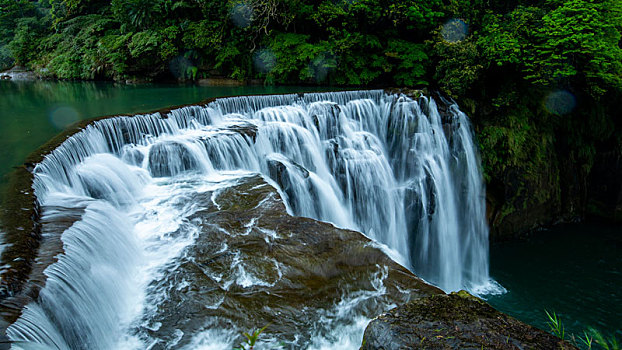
(454, 321)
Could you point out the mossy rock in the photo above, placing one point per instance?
(454, 321)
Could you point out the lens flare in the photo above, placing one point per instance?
(454, 30)
(64, 116)
(560, 102)
(264, 60)
(241, 15)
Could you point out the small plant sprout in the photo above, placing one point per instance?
(587, 340)
(251, 339)
(555, 324)
(590, 337)
(610, 343)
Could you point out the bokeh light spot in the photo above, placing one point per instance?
(63, 117)
(179, 66)
(322, 65)
(560, 102)
(241, 14)
(454, 30)
(264, 60)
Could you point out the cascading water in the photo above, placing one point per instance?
(386, 165)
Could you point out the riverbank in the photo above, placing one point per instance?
(22, 74)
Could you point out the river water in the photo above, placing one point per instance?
(573, 270)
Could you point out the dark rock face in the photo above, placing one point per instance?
(605, 186)
(517, 204)
(170, 158)
(540, 172)
(454, 321)
(562, 190)
(252, 264)
(246, 129)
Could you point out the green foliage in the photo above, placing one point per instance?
(12, 12)
(590, 336)
(504, 36)
(296, 57)
(24, 46)
(586, 340)
(555, 325)
(144, 43)
(6, 58)
(563, 42)
(578, 40)
(549, 44)
(515, 141)
(607, 343)
(77, 50)
(411, 58)
(367, 65)
(459, 67)
(251, 339)
(203, 34)
(191, 72)
(137, 14)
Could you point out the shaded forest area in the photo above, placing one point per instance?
(542, 79)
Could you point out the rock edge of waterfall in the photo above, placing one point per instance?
(453, 321)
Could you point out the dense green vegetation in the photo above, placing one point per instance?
(541, 78)
(358, 42)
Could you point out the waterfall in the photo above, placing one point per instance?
(387, 165)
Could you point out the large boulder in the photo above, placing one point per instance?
(252, 264)
(170, 158)
(454, 321)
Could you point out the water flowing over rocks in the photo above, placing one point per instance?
(454, 321)
(183, 228)
(252, 265)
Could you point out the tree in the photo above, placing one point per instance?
(579, 42)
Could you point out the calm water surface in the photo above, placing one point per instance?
(574, 270)
(33, 112)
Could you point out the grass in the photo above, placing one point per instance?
(588, 340)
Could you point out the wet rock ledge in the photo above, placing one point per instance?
(252, 265)
(454, 321)
(306, 270)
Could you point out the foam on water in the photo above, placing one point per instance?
(386, 165)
